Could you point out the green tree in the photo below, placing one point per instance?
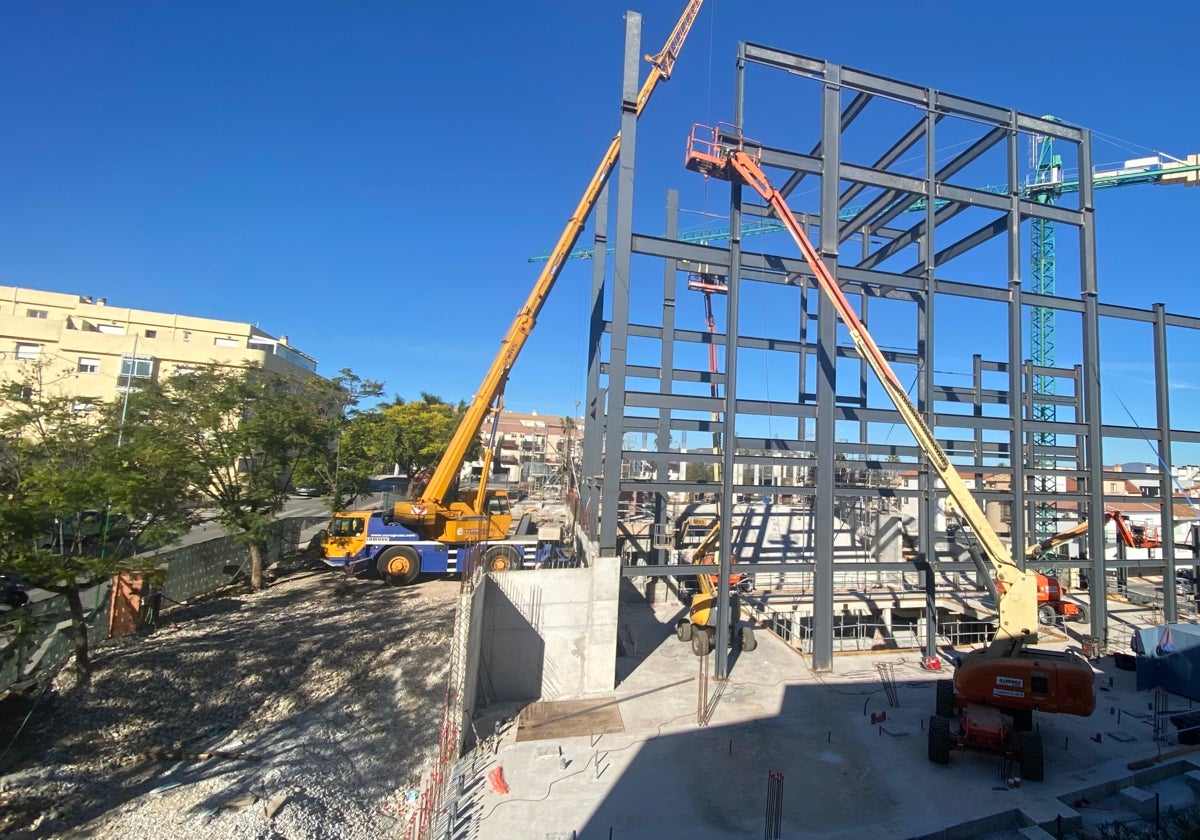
(423, 429)
(346, 466)
(246, 430)
(699, 472)
(83, 483)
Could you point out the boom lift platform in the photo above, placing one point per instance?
(996, 689)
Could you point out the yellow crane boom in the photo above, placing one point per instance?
(488, 396)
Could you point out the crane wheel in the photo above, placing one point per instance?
(683, 630)
(501, 558)
(1081, 614)
(1046, 615)
(1032, 760)
(939, 740)
(399, 565)
(701, 641)
(944, 707)
(749, 643)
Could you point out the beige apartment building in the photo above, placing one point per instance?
(92, 349)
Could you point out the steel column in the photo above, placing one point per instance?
(614, 443)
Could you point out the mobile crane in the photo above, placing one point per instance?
(997, 688)
(700, 625)
(428, 532)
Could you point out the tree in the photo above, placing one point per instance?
(699, 472)
(424, 429)
(247, 429)
(346, 466)
(83, 483)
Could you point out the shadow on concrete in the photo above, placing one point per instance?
(512, 658)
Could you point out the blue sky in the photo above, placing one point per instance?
(369, 177)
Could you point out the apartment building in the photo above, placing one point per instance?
(92, 349)
(531, 447)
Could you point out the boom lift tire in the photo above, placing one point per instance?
(501, 558)
(749, 643)
(1046, 615)
(1032, 759)
(683, 630)
(399, 565)
(944, 708)
(939, 739)
(1082, 615)
(701, 641)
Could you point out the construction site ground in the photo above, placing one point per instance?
(666, 755)
(307, 710)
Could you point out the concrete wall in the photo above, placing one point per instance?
(549, 634)
(471, 699)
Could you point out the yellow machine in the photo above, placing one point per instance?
(996, 688)
(700, 626)
(481, 514)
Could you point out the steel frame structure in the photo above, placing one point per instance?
(1008, 430)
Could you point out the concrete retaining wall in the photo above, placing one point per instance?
(548, 634)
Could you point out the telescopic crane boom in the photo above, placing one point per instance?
(434, 511)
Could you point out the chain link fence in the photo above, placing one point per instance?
(37, 638)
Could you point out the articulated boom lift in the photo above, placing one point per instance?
(997, 688)
(1132, 536)
(700, 625)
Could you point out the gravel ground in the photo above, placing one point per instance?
(326, 697)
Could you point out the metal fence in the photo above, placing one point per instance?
(38, 638)
(206, 567)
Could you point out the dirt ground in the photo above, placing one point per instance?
(323, 699)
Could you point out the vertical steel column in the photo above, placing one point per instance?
(667, 366)
(594, 426)
(614, 434)
(1165, 461)
(1091, 387)
(729, 409)
(925, 334)
(1016, 368)
(1016, 382)
(831, 154)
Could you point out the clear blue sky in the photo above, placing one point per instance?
(369, 177)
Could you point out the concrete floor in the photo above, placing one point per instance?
(844, 776)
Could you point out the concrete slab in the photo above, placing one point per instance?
(695, 754)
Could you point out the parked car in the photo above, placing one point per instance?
(13, 589)
(308, 491)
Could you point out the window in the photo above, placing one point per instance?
(225, 342)
(28, 352)
(82, 407)
(111, 329)
(87, 365)
(151, 333)
(36, 313)
(183, 370)
(346, 526)
(137, 367)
